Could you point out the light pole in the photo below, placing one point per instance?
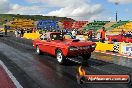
(116, 16)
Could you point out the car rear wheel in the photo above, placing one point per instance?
(60, 57)
(114, 40)
(38, 51)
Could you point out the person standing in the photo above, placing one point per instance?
(22, 32)
(90, 34)
(16, 32)
(19, 32)
(74, 33)
(122, 32)
(34, 30)
(6, 28)
(102, 35)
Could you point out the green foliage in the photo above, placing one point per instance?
(9, 17)
(119, 24)
(95, 25)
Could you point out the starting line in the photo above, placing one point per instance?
(16, 83)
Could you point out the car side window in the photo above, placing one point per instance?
(127, 35)
(43, 37)
(66, 36)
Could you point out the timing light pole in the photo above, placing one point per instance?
(116, 16)
(116, 3)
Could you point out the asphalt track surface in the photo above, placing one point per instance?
(34, 71)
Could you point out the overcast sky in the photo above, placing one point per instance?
(76, 9)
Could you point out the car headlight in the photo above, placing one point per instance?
(88, 47)
(84, 47)
(73, 48)
(93, 46)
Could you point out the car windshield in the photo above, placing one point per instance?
(68, 36)
(60, 36)
(56, 36)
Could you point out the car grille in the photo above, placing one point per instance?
(83, 47)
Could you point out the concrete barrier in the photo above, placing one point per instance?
(126, 48)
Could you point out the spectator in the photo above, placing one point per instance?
(19, 32)
(74, 33)
(122, 32)
(90, 35)
(6, 28)
(28, 30)
(81, 32)
(16, 32)
(102, 35)
(22, 32)
(31, 30)
(34, 30)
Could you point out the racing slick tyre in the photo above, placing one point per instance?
(38, 51)
(60, 57)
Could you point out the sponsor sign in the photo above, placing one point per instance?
(127, 49)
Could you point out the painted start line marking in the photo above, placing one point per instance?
(16, 83)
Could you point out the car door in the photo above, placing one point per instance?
(50, 44)
(44, 44)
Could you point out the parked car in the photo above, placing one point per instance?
(55, 44)
(120, 38)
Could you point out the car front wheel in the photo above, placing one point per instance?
(38, 51)
(60, 57)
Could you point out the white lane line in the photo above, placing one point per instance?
(130, 57)
(118, 55)
(17, 84)
(113, 54)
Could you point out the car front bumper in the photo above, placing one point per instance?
(79, 52)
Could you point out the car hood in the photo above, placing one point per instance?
(108, 36)
(74, 42)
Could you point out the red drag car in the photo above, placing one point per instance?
(55, 44)
(120, 38)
